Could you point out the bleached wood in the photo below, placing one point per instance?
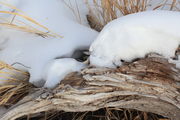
(151, 84)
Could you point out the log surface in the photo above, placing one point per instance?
(151, 84)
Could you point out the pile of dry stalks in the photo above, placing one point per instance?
(15, 84)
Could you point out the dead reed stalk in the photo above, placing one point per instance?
(102, 12)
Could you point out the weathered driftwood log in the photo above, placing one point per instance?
(151, 84)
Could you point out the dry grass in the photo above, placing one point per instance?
(14, 86)
(102, 12)
(102, 114)
(75, 10)
(14, 82)
(16, 23)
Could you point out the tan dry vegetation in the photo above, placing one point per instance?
(102, 12)
(32, 26)
(14, 86)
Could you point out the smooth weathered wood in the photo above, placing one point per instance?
(151, 84)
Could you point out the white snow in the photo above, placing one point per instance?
(176, 62)
(34, 51)
(46, 11)
(164, 5)
(5, 8)
(56, 70)
(134, 36)
(97, 11)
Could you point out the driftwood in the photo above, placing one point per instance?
(151, 84)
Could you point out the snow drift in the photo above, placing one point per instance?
(133, 36)
(34, 52)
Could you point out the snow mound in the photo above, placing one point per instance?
(57, 69)
(134, 36)
(34, 52)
